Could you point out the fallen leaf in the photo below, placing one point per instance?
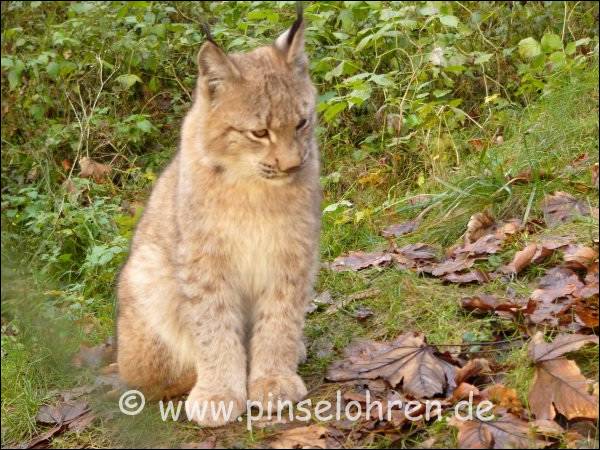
(587, 312)
(93, 169)
(62, 412)
(82, 422)
(413, 255)
(562, 207)
(540, 350)
(400, 229)
(451, 265)
(579, 256)
(558, 282)
(479, 225)
(464, 391)
(489, 303)
(547, 428)
(42, 440)
(527, 175)
(407, 361)
(312, 436)
(595, 176)
(558, 384)
(361, 260)
(505, 431)
(473, 276)
(486, 245)
(473, 368)
(521, 259)
(66, 165)
(504, 397)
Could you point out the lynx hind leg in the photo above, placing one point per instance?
(144, 361)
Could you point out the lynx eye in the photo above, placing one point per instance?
(261, 133)
(301, 124)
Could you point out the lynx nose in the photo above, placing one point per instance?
(288, 163)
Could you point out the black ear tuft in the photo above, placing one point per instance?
(291, 43)
(207, 33)
(296, 25)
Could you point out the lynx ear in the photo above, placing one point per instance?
(215, 66)
(291, 42)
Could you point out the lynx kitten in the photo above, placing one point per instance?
(212, 297)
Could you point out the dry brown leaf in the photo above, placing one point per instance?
(400, 229)
(418, 253)
(62, 412)
(452, 265)
(540, 350)
(82, 422)
(473, 368)
(473, 276)
(558, 384)
(312, 436)
(548, 313)
(93, 169)
(504, 397)
(558, 282)
(486, 245)
(464, 391)
(595, 176)
(361, 260)
(547, 428)
(527, 175)
(579, 256)
(66, 165)
(42, 440)
(521, 259)
(479, 225)
(587, 312)
(505, 431)
(407, 361)
(562, 207)
(487, 303)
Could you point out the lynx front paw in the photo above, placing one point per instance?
(214, 409)
(276, 387)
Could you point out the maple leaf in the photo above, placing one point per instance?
(504, 431)
(407, 361)
(558, 384)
